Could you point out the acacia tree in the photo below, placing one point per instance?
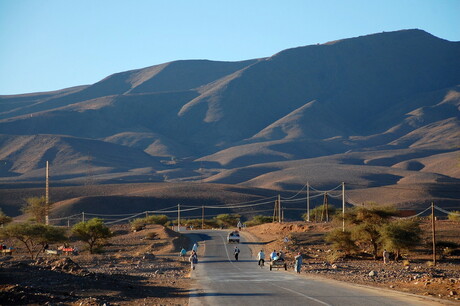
(400, 235)
(34, 236)
(36, 206)
(341, 241)
(368, 223)
(92, 232)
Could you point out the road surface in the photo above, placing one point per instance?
(219, 280)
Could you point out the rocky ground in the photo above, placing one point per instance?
(142, 268)
(413, 275)
(131, 271)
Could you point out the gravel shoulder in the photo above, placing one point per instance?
(441, 281)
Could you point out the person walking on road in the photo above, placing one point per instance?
(298, 262)
(193, 260)
(195, 247)
(236, 252)
(261, 258)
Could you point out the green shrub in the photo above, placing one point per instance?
(156, 219)
(318, 214)
(259, 219)
(341, 241)
(93, 232)
(454, 215)
(138, 224)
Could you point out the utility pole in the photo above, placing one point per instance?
(308, 202)
(325, 208)
(47, 194)
(282, 214)
(275, 211)
(279, 208)
(178, 217)
(83, 216)
(343, 206)
(433, 226)
(202, 217)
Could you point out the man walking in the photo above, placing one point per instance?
(193, 260)
(261, 258)
(236, 252)
(298, 262)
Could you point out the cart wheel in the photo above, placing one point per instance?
(285, 267)
(270, 267)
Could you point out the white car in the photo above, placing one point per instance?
(233, 237)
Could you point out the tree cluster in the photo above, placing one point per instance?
(372, 230)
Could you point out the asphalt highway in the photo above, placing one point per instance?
(219, 280)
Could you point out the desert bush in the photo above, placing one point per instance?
(34, 236)
(259, 219)
(335, 256)
(454, 215)
(211, 223)
(341, 241)
(157, 219)
(4, 219)
(319, 213)
(138, 224)
(228, 220)
(93, 232)
(196, 223)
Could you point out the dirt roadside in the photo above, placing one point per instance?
(132, 270)
(441, 281)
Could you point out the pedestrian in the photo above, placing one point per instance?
(182, 254)
(236, 252)
(193, 260)
(298, 262)
(195, 247)
(386, 257)
(261, 258)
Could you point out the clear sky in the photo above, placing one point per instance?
(54, 44)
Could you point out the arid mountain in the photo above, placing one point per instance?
(377, 111)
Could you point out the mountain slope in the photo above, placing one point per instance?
(377, 110)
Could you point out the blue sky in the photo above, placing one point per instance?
(54, 44)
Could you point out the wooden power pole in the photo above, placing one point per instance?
(178, 217)
(47, 194)
(202, 217)
(433, 227)
(308, 202)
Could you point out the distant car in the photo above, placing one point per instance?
(233, 237)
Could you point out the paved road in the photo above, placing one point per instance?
(219, 280)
